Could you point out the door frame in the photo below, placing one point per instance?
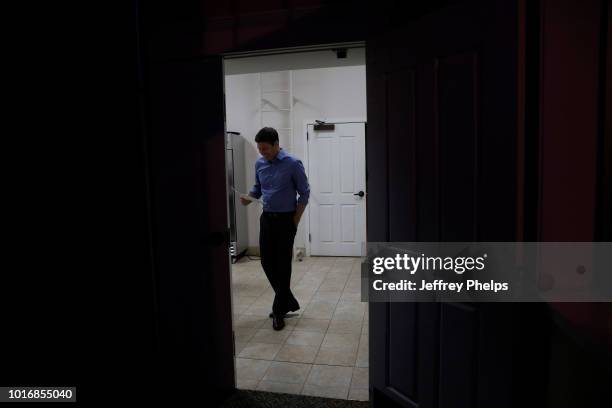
(336, 120)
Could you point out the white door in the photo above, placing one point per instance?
(337, 205)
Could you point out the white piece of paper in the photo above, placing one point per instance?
(247, 197)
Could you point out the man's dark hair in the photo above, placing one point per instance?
(267, 135)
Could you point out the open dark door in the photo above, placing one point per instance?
(442, 166)
(190, 216)
(185, 143)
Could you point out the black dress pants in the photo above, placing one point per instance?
(276, 236)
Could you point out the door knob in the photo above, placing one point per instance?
(360, 194)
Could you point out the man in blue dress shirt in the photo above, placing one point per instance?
(278, 177)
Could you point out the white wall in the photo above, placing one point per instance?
(324, 87)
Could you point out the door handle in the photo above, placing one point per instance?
(360, 194)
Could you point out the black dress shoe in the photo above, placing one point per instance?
(271, 315)
(278, 322)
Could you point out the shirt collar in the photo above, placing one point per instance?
(279, 156)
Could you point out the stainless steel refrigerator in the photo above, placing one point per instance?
(237, 184)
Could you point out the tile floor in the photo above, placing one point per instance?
(323, 349)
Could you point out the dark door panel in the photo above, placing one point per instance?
(189, 211)
(442, 95)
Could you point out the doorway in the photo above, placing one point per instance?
(323, 349)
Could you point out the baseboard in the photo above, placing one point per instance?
(254, 251)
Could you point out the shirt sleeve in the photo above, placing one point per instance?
(256, 190)
(301, 182)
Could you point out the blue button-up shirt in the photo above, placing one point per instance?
(278, 181)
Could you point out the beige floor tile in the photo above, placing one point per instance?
(258, 310)
(348, 296)
(244, 300)
(250, 369)
(240, 275)
(306, 287)
(263, 351)
(356, 275)
(316, 274)
(264, 301)
(250, 321)
(297, 354)
(295, 373)
(326, 296)
(324, 260)
(240, 286)
(354, 278)
(320, 310)
(354, 288)
(297, 273)
(363, 353)
(307, 324)
(325, 392)
(246, 384)
(344, 270)
(268, 295)
(258, 274)
(340, 356)
(349, 311)
(303, 296)
(364, 339)
(239, 310)
(305, 338)
(313, 279)
(360, 378)
(244, 334)
(282, 387)
(239, 346)
(344, 260)
(362, 359)
(249, 291)
(359, 394)
(269, 290)
(353, 284)
(271, 336)
(332, 285)
(344, 326)
(323, 269)
(340, 271)
(330, 376)
(341, 340)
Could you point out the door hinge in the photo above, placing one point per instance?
(307, 136)
(309, 238)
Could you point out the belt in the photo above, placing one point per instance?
(271, 214)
